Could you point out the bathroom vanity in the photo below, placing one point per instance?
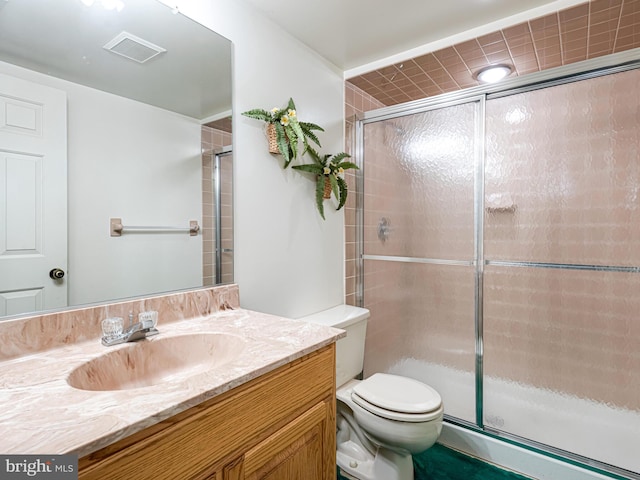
(280, 425)
(219, 393)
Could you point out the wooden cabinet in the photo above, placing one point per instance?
(295, 451)
(276, 427)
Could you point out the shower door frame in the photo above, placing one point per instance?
(610, 64)
(217, 193)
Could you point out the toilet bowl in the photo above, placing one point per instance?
(397, 417)
(381, 420)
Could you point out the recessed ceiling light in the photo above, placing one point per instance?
(493, 73)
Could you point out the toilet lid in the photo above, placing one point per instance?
(398, 394)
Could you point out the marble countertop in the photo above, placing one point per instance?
(42, 414)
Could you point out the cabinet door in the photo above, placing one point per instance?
(233, 471)
(296, 451)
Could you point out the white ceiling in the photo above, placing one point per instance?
(353, 33)
(65, 39)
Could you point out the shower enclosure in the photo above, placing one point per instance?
(217, 215)
(500, 258)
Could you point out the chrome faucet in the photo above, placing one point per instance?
(144, 327)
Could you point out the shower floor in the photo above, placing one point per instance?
(588, 428)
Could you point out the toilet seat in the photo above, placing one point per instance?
(397, 398)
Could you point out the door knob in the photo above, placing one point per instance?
(56, 274)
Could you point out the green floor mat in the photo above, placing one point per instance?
(442, 463)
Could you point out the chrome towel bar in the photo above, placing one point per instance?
(117, 228)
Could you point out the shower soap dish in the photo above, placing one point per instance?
(500, 202)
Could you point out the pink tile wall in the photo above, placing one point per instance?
(226, 180)
(420, 176)
(424, 312)
(566, 159)
(208, 223)
(570, 331)
(356, 103)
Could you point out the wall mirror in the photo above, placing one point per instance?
(108, 109)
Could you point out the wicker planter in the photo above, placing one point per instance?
(272, 136)
(327, 188)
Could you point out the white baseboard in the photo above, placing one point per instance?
(512, 457)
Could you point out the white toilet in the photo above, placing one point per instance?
(382, 420)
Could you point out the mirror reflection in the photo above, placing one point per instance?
(111, 113)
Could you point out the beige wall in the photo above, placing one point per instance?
(275, 218)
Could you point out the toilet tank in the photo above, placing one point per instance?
(349, 349)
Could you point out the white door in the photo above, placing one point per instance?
(33, 196)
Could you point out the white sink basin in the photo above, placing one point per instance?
(155, 361)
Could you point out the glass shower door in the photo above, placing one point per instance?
(561, 283)
(419, 250)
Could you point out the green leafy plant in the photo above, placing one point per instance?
(288, 129)
(327, 170)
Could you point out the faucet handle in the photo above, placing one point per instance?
(148, 319)
(112, 327)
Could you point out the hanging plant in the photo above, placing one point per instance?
(328, 171)
(285, 131)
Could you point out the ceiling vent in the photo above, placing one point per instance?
(134, 48)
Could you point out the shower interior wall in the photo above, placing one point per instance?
(561, 189)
